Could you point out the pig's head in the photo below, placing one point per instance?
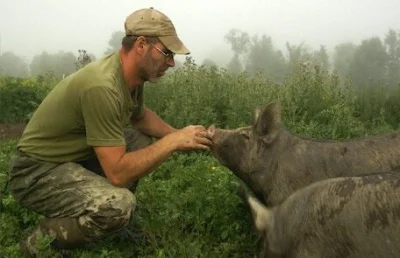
(243, 150)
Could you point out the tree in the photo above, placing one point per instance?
(207, 62)
(392, 45)
(239, 42)
(235, 66)
(297, 55)
(238, 39)
(321, 58)
(13, 65)
(369, 62)
(83, 59)
(61, 63)
(342, 58)
(263, 55)
(115, 42)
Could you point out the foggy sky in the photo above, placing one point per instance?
(29, 27)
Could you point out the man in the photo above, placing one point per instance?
(76, 164)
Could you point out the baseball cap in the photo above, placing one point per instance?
(151, 22)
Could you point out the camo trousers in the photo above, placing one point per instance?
(79, 203)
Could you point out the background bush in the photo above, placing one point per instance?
(194, 94)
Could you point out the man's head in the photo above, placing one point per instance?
(151, 40)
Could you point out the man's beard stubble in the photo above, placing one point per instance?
(148, 71)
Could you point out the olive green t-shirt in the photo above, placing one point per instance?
(88, 108)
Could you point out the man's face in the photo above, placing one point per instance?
(155, 62)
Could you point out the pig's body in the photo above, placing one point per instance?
(293, 162)
(347, 217)
(273, 162)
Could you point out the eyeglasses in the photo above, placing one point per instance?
(169, 55)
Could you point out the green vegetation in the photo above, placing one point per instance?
(188, 207)
(316, 102)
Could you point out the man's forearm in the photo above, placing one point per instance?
(142, 162)
(151, 124)
(123, 168)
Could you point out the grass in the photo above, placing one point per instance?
(187, 208)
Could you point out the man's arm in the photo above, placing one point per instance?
(101, 113)
(151, 124)
(122, 168)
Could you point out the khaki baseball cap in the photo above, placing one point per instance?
(150, 22)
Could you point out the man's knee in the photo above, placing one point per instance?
(110, 213)
(136, 140)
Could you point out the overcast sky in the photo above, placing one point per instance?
(30, 27)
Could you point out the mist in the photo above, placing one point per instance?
(28, 28)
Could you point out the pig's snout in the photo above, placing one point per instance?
(217, 136)
(211, 131)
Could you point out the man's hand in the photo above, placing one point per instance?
(192, 137)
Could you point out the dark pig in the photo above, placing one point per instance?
(274, 162)
(347, 217)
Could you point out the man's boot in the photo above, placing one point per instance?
(66, 231)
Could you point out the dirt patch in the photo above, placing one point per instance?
(11, 131)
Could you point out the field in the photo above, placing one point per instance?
(11, 130)
(188, 207)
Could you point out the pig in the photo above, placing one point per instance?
(347, 217)
(274, 162)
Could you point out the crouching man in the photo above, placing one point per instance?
(77, 162)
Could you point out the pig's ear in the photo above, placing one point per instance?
(267, 121)
(256, 115)
(262, 216)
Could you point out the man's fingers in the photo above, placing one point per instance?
(200, 128)
(204, 141)
(203, 147)
(202, 134)
(197, 137)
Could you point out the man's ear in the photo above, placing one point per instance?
(141, 45)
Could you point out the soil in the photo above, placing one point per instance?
(11, 131)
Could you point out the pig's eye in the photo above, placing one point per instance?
(244, 134)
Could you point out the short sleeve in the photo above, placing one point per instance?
(102, 114)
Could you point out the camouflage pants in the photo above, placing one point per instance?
(79, 203)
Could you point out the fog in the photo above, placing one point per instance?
(29, 27)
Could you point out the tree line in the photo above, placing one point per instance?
(374, 60)
(60, 64)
